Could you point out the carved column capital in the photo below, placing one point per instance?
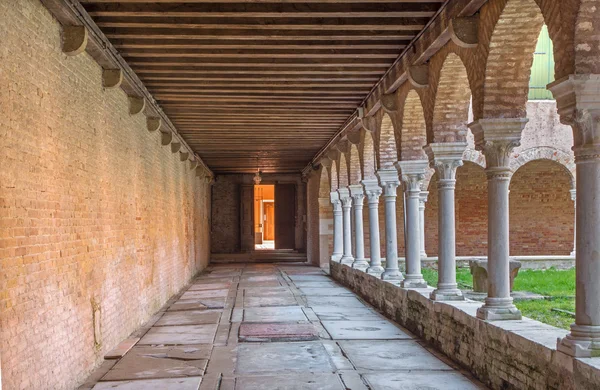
(389, 181)
(445, 158)
(412, 174)
(372, 190)
(345, 197)
(496, 139)
(357, 194)
(423, 197)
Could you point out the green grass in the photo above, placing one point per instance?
(558, 285)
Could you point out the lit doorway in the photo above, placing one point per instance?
(264, 216)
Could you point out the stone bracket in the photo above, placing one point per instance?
(153, 124)
(112, 78)
(464, 31)
(136, 104)
(418, 75)
(74, 40)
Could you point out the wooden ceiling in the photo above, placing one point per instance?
(260, 83)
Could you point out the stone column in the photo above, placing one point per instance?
(497, 138)
(338, 238)
(347, 257)
(373, 192)
(358, 195)
(574, 199)
(388, 180)
(578, 102)
(412, 173)
(445, 158)
(422, 200)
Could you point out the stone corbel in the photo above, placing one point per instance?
(184, 155)
(74, 40)
(389, 102)
(166, 138)
(418, 76)
(153, 124)
(112, 78)
(175, 146)
(369, 123)
(464, 31)
(136, 104)
(194, 163)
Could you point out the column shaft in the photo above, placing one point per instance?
(357, 193)
(388, 179)
(422, 201)
(373, 191)
(338, 238)
(347, 257)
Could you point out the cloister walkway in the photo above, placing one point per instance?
(269, 326)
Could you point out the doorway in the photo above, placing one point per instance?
(264, 216)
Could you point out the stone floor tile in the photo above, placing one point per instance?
(363, 330)
(391, 355)
(288, 382)
(209, 286)
(274, 314)
(277, 332)
(152, 384)
(205, 294)
(419, 380)
(271, 283)
(121, 349)
(286, 300)
(189, 317)
(198, 304)
(310, 278)
(323, 283)
(342, 302)
(258, 278)
(336, 313)
(174, 335)
(266, 291)
(326, 291)
(147, 362)
(299, 357)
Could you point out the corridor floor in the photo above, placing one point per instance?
(269, 326)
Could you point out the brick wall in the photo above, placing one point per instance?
(93, 211)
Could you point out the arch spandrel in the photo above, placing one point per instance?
(413, 134)
(388, 152)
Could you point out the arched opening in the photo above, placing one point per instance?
(471, 212)
(414, 134)
(343, 172)
(541, 210)
(369, 156)
(388, 152)
(354, 165)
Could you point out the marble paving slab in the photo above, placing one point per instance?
(391, 355)
(192, 383)
(281, 357)
(363, 330)
(286, 300)
(189, 317)
(258, 278)
(306, 381)
(121, 349)
(175, 335)
(266, 291)
(419, 380)
(271, 283)
(324, 283)
(274, 314)
(326, 291)
(343, 302)
(205, 294)
(198, 304)
(337, 313)
(310, 278)
(209, 286)
(277, 332)
(147, 362)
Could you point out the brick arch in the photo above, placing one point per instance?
(562, 158)
(474, 156)
(324, 182)
(369, 156)
(508, 62)
(344, 179)
(355, 174)
(451, 103)
(388, 152)
(586, 43)
(541, 209)
(335, 179)
(413, 134)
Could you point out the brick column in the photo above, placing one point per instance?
(388, 180)
(413, 173)
(422, 200)
(578, 102)
(346, 200)
(497, 138)
(358, 195)
(338, 238)
(445, 158)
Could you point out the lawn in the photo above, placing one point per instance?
(557, 285)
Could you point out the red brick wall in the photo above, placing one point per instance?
(541, 210)
(93, 211)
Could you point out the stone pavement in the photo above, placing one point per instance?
(269, 326)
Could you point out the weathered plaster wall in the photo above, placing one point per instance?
(96, 218)
(504, 354)
(225, 229)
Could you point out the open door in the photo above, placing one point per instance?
(285, 216)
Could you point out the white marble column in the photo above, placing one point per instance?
(338, 237)
(445, 158)
(578, 102)
(358, 195)
(346, 200)
(422, 200)
(497, 138)
(389, 181)
(412, 174)
(574, 199)
(373, 192)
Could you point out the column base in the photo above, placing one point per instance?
(393, 276)
(375, 270)
(573, 253)
(583, 341)
(423, 254)
(360, 264)
(413, 281)
(348, 260)
(336, 258)
(498, 309)
(447, 295)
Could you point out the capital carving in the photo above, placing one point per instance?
(496, 139)
(412, 173)
(372, 190)
(445, 158)
(389, 181)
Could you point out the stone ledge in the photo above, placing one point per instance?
(503, 355)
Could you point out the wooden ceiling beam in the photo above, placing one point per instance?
(175, 43)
